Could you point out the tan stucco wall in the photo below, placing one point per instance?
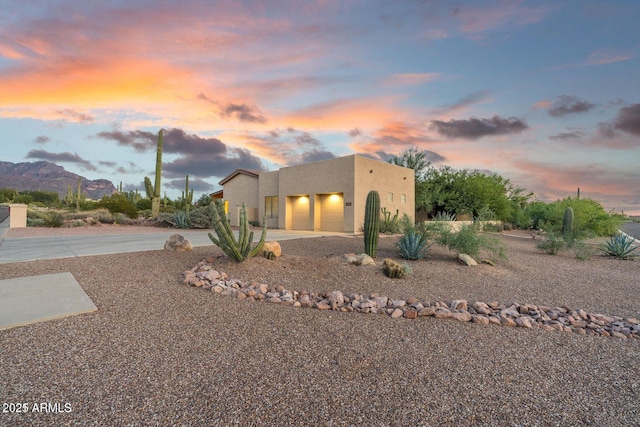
(269, 187)
(315, 179)
(242, 188)
(348, 177)
(385, 178)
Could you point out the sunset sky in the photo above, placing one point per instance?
(544, 93)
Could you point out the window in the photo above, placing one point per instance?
(271, 206)
(389, 197)
(403, 198)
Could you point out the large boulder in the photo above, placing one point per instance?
(177, 243)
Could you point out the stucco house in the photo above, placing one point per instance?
(328, 195)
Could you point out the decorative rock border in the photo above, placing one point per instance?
(561, 318)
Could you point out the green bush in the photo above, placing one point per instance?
(551, 244)
(119, 203)
(143, 204)
(469, 241)
(589, 216)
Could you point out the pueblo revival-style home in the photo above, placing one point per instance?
(328, 195)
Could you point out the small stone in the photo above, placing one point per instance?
(461, 316)
(466, 259)
(381, 301)
(398, 302)
(397, 313)
(427, 311)
(480, 319)
(507, 321)
(365, 259)
(442, 313)
(458, 304)
(524, 322)
(336, 299)
(481, 307)
(322, 305)
(274, 300)
(241, 296)
(495, 320)
(411, 314)
(412, 300)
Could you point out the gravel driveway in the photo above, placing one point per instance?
(159, 353)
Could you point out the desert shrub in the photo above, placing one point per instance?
(121, 218)
(551, 244)
(143, 204)
(35, 222)
(621, 246)
(583, 251)
(23, 198)
(53, 219)
(103, 216)
(201, 217)
(119, 203)
(254, 223)
(469, 241)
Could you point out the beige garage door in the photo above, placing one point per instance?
(332, 212)
(300, 219)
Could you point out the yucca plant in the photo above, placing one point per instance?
(621, 246)
(413, 245)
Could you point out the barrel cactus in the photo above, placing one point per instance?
(371, 223)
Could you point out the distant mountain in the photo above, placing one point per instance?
(47, 176)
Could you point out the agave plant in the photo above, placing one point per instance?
(444, 216)
(621, 246)
(413, 245)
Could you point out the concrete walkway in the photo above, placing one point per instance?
(37, 248)
(27, 300)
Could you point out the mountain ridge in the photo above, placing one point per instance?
(46, 176)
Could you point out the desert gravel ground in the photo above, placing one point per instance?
(160, 353)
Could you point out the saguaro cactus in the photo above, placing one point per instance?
(153, 192)
(187, 196)
(371, 223)
(567, 221)
(240, 249)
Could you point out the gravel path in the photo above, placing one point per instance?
(159, 353)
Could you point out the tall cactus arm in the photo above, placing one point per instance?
(263, 238)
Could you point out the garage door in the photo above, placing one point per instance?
(332, 212)
(300, 219)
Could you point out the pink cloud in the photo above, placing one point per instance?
(607, 56)
(505, 14)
